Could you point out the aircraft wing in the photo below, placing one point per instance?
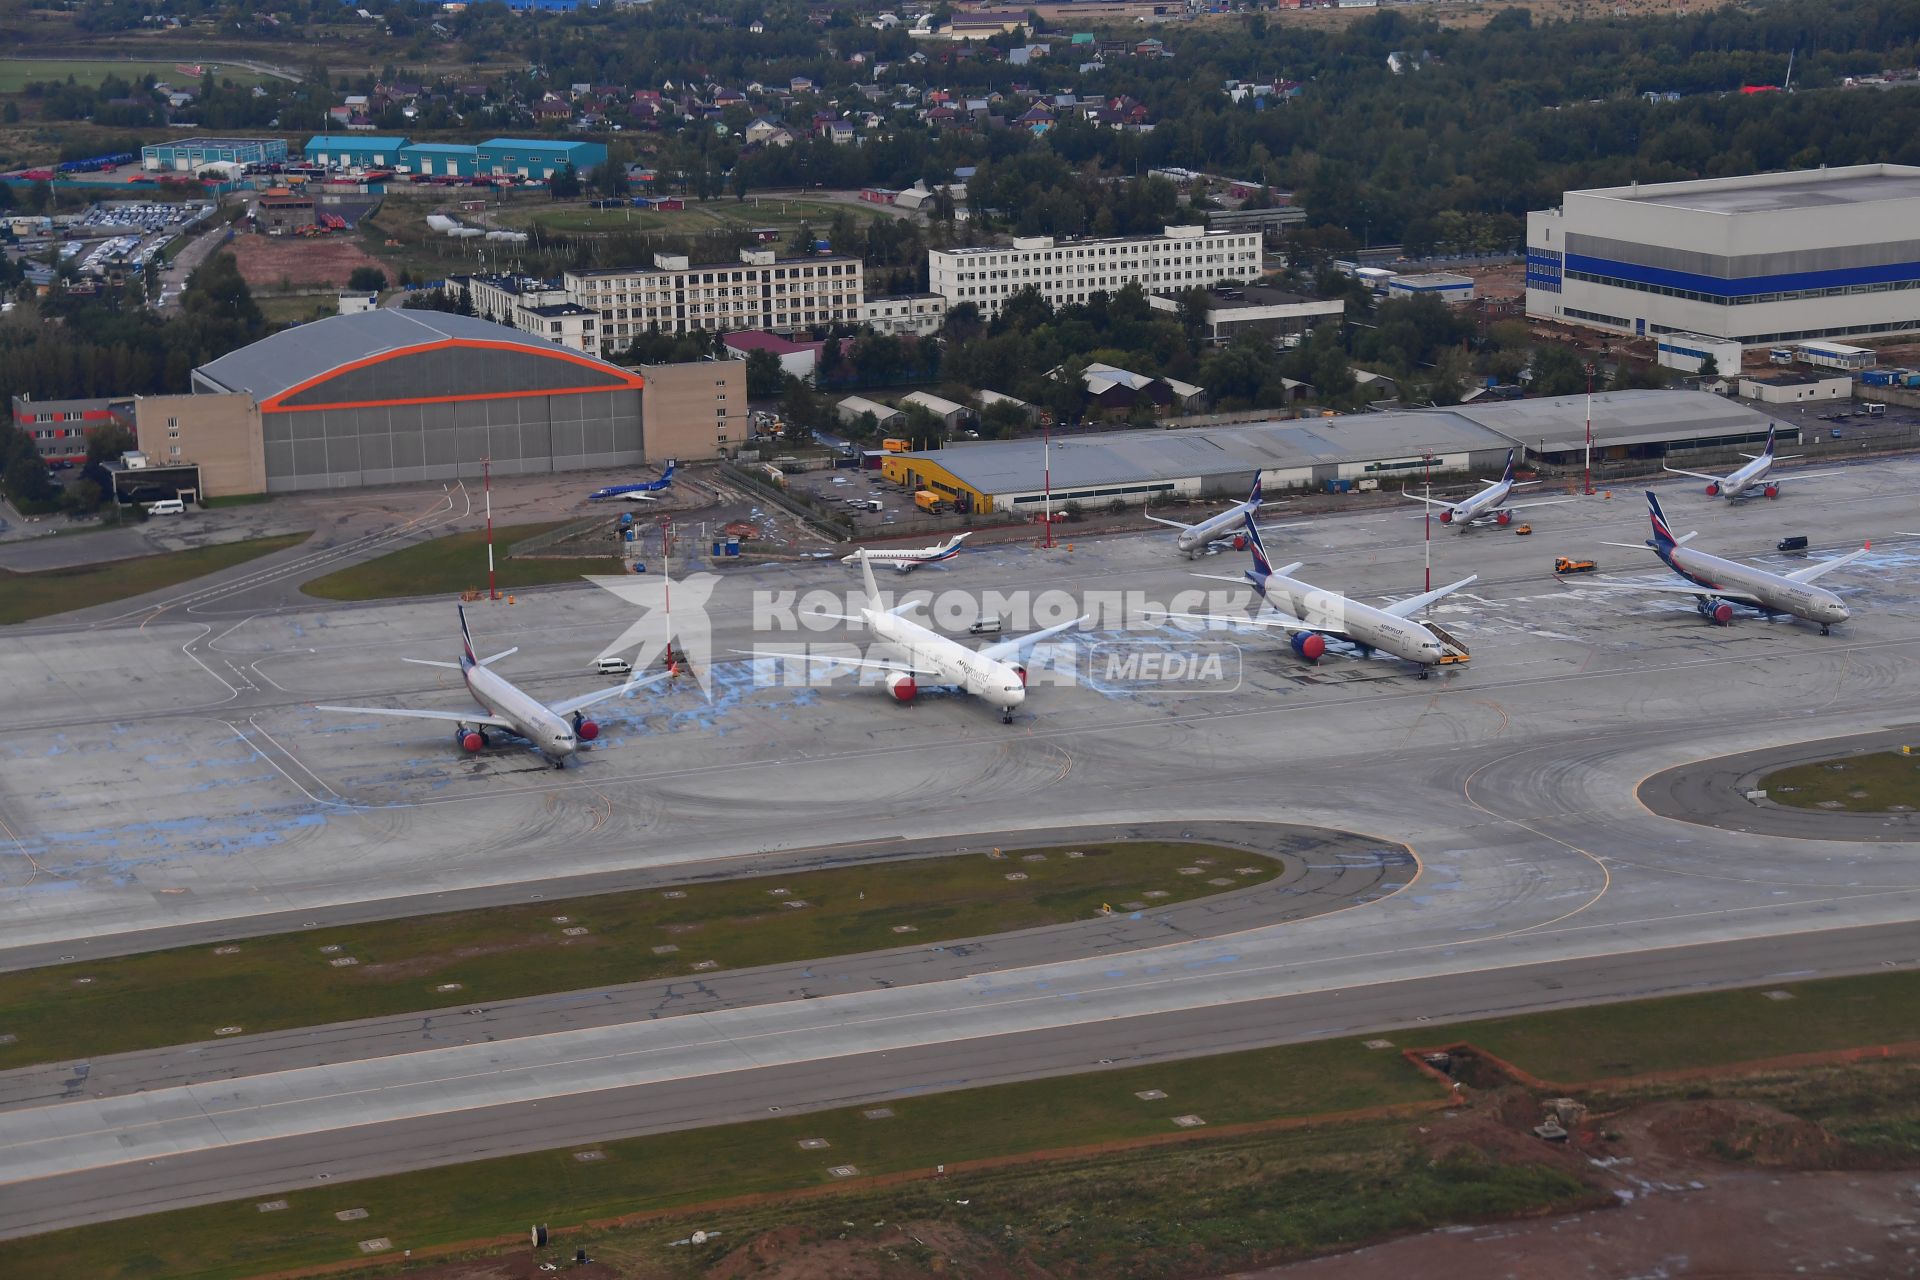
(1432, 502)
(1276, 619)
(1812, 571)
(638, 497)
(1545, 502)
(1006, 650)
(1675, 589)
(1414, 604)
(1697, 475)
(878, 664)
(1171, 524)
(1798, 475)
(451, 717)
(568, 706)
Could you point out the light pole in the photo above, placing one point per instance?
(1589, 428)
(1046, 471)
(1429, 522)
(486, 483)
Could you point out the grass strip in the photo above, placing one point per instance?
(456, 562)
(497, 953)
(1876, 783)
(27, 596)
(1268, 1194)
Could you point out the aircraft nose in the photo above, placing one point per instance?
(1009, 696)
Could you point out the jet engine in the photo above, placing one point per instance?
(1718, 612)
(1772, 491)
(901, 686)
(471, 740)
(1446, 516)
(1713, 489)
(1503, 518)
(1308, 644)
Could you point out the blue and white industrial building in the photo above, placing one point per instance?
(354, 150)
(186, 155)
(538, 158)
(1760, 260)
(440, 159)
(1449, 288)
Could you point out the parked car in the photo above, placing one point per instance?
(1797, 542)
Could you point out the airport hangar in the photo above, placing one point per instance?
(1759, 259)
(1219, 461)
(396, 396)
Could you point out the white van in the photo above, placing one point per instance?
(167, 507)
(612, 666)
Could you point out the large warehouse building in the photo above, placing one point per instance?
(389, 397)
(1133, 466)
(1772, 258)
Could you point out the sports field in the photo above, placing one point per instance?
(17, 73)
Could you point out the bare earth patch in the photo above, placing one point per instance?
(268, 262)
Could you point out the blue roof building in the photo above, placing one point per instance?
(354, 150)
(538, 158)
(440, 159)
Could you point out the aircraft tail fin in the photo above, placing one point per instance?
(1768, 451)
(1506, 477)
(1262, 567)
(873, 588)
(667, 475)
(466, 636)
(1663, 539)
(1254, 499)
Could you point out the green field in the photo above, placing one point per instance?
(160, 998)
(1878, 783)
(296, 308)
(456, 563)
(17, 73)
(1180, 1209)
(724, 214)
(26, 596)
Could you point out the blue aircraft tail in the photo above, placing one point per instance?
(1663, 539)
(1262, 567)
(1254, 499)
(1768, 451)
(1506, 477)
(466, 638)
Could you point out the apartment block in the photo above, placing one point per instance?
(1070, 271)
(761, 291)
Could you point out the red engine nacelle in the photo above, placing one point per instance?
(1503, 517)
(1713, 490)
(587, 730)
(1721, 614)
(1446, 516)
(902, 687)
(1020, 669)
(1772, 491)
(1309, 645)
(472, 740)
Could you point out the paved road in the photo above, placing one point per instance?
(177, 777)
(1713, 792)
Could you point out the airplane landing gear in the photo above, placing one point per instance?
(1424, 673)
(1825, 630)
(1006, 715)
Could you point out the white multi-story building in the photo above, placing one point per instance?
(761, 291)
(1071, 271)
(1760, 260)
(920, 314)
(539, 307)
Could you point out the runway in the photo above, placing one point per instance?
(185, 784)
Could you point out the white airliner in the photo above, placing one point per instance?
(1312, 616)
(908, 561)
(546, 725)
(1490, 505)
(1751, 478)
(995, 673)
(1195, 538)
(1718, 585)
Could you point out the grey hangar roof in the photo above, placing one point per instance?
(1134, 457)
(286, 359)
(1773, 193)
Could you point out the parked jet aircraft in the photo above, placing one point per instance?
(648, 491)
(1719, 584)
(996, 673)
(1195, 538)
(1750, 479)
(908, 561)
(1490, 505)
(1313, 616)
(546, 725)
